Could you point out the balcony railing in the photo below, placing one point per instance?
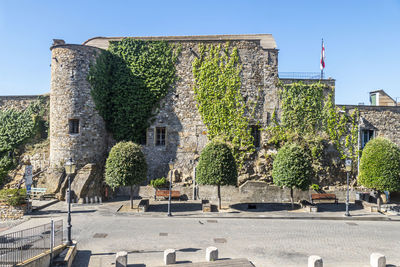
(301, 75)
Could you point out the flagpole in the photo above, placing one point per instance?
(322, 69)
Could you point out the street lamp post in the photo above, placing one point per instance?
(69, 170)
(171, 166)
(348, 170)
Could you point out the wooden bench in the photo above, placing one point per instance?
(37, 193)
(165, 194)
(321, 198)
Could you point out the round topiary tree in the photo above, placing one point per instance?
(380, 166)
(292, 168)
(125, 166)
(217, 166)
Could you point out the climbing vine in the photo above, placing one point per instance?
(311, 119)
(16, 128)
(342, 128)
(216, 71)
(128, 81)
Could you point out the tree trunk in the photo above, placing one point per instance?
(291, 197)
(131, 196)
(219, 197)
(378, 201)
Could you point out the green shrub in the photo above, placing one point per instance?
(380, 165)
(292, 168)
(315, 187)
(126, 165)
(14, 196)
(159, 183)
(6, 164)
(217, 166)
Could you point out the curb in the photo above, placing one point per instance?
(332, 218)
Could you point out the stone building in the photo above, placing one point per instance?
(177, 132)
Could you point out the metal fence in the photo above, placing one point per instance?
(19, 246)
(301, 75)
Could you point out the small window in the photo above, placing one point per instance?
(255, 132)
(160, 136)
(366, 135)
(74, 126)
(143, 138)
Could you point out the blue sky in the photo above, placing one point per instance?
(362, 38)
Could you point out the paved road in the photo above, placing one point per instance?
(265, 242)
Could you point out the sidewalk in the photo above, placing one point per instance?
(193, 209)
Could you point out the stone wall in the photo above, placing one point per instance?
(18, 102)
(70, 99)
(384, 120)
(186, 133)
(8, 212)
(249, 192)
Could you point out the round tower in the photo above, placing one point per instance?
(76, 130)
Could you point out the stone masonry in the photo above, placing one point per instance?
(78, 132)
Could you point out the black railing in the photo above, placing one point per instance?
(19, 246)
(301, 75)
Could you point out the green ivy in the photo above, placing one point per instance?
(302, 106)
(342, 128)
(128, 81)
(219, 100)
(312, 120)
(16, 128)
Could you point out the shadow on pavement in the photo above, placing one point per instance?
(327, 207)
(44, 212)
(263, 207)
(175, 207)
(82, 258)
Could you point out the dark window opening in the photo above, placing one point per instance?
(74, 126)
(366, 135)
(256, 133)
(143, 138)
(160, 136)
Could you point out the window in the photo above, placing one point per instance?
(366, 135)
(255, 132)
(160, 136)
(74, 126)
(143, 138)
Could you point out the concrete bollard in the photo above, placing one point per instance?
(121, 259)
(169, 256)
(91, 200)
(87, 200)
(211, 254)
(315, 261)
(377, 260)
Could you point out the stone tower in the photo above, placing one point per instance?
(76, 130)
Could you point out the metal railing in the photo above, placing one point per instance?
(301, 75)
(19, 246)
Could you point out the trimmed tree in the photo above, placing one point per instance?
(125, 166)
(217, 166)
(380, 166)
(292, 168)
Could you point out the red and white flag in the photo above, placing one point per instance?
(322, 63)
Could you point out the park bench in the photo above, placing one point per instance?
(165, 194)
(321, 198)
